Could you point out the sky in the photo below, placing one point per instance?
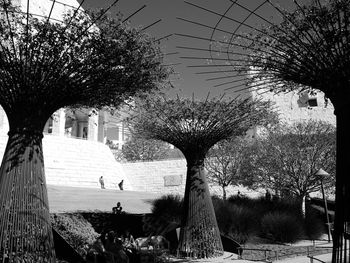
(190, 81)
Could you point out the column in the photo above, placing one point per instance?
(93, 125)
(101, 137)
(120, 136)
(58, 123)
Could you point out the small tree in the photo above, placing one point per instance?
(223, 162)
(43, 67)
(140, 149)
(287, 158)
(194, 127)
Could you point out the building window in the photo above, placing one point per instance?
(50, 124)
(113, 133)
(312, 102)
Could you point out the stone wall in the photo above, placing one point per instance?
(159, 176)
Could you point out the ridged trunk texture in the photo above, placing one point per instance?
(199, 235)
(25, 228)
(341, 234)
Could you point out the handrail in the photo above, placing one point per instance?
(277, 255)
(312, 258)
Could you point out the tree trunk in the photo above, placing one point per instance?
(25, 228)
(224, 193)
(199, 235)
(301, 204)
(341, 244)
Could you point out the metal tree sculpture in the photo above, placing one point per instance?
(194, 127)
(307, 49)
(45, 66)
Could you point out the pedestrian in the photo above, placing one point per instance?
(121, 185)
(102, 182)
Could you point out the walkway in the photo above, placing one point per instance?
(73, 199)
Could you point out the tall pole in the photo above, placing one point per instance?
(323, 173)
(326, 211)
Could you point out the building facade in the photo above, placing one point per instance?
(296, 106)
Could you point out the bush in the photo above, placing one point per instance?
(314, 226)
(76, 230)
(166, 211)
(237, 222)
(282, 227)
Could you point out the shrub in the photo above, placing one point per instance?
(166, 211)
(237, 222)
(314, 226)
(282, 227)
(76, 230)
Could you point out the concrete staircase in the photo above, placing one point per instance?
(80, 163)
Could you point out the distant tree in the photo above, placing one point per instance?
(140, 149)
(194, 127)
(223, 162)
(287, 158)
(45, 66)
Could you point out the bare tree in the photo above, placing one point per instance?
(224, 161)
(287, 158)
(45, 66)
(140, 149)
(194, 127)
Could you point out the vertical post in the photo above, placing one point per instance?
(326, 211)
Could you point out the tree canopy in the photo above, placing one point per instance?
(307, 49)
(287, 158)
(195, 126)
(140, 149)
(46, 65)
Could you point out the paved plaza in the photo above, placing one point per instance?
(73, 199)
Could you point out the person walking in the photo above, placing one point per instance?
(102, 182)
(121, 187)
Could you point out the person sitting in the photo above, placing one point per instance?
(129, 245)
(117, 209)
(129, 241)
(114, 249)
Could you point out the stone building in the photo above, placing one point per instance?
(296, 106)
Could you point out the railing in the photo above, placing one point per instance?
(313, 258)
(269, 255)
